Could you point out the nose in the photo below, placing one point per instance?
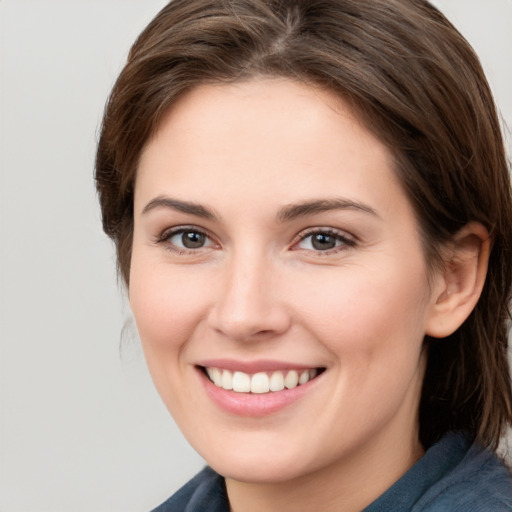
(249, 304)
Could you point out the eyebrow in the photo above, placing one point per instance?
(293, 211)
(180, 206)
(286, 213)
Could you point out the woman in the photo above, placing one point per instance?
(312, 213)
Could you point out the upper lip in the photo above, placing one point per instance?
(250, 367)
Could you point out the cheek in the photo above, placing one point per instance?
(364, 310)
(372, 324)
(167, 309)
(166, 305)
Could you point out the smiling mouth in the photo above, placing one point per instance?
(261, 382)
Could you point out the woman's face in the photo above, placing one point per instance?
(273, 242)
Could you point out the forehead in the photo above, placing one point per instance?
(271, 138)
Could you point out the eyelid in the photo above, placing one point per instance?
(165, 236)
(347, 240)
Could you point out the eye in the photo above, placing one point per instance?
(324, 240)
(185, 239)
(189, 239)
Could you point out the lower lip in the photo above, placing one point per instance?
(254, 404)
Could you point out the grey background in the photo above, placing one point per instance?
(81, 428)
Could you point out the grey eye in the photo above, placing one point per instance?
(193, 239)
(323, 241)
(189, 239)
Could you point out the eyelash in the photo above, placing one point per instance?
(166, 236)
(342, 238)
(345, 240)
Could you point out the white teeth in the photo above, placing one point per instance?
(241, 382)
(216, 377)
(304, 377)
(227, 379)
(291, 380)
(277, 381)
(261, 382)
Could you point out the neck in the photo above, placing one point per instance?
(350, 485)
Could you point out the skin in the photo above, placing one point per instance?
(259, 290)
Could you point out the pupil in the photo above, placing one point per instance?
(323, 242)
(192, 240)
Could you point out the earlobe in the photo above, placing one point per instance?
(460, 282)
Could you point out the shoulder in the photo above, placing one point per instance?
(205, 492)
(479, 482)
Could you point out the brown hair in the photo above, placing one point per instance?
(418, 86)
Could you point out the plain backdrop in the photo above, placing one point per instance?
(81, 428)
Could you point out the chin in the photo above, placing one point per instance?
(260, 466)
(249, 471)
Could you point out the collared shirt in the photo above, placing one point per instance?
(452, 476)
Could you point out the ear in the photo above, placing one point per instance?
(459, 283)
